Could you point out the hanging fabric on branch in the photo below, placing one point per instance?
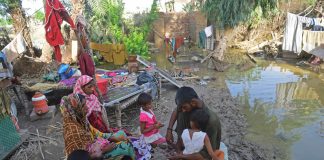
(16, 47)
(55, 13)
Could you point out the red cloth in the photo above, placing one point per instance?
(55, 13)
(57, 52)
(87, 66)
(179, 41)
(96, 120)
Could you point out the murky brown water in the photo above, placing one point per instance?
(284, 107)
(284, 104)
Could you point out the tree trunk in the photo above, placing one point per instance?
(78, 9)
(20, 23)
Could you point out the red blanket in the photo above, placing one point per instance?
(55, 13)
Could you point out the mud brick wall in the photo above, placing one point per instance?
(178, 24)
(198, 22)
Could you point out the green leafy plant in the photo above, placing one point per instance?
(106, 20)
(136, 43)
(4, 22)
(39, 16)
(233, 12)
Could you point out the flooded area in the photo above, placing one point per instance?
(283, 103)
(284, 107)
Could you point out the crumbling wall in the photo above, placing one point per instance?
(178, 24)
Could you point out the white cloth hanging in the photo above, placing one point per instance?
(209, 31)
(15, 47)
(294, 32)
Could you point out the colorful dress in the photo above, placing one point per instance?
(154, 135)
(79, 134)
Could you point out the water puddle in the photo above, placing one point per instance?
(284, 107)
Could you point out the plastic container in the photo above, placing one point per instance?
(39, 102)
(102, 85)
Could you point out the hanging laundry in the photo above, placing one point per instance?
(15, 47)
(10, 51)
(293, 32)
(202, 39)
(87, 66)
(55, 13)
(209, 31)
(312, 39)
(6, 69)
(20, 43)
(178, 43)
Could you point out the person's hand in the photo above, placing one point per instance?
(109, 147)
(169, 137)
(122, 138)
(156, 126)
(161, 125)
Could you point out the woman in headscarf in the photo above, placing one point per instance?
(77, 132)
(86, 87)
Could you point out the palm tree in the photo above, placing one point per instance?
(14, 8)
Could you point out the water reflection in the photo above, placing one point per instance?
(283, 106)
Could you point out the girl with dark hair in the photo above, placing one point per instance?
(195, 139)
(148, 123)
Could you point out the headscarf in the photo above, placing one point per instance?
(76, 131)
(73, 107)
(92, 101)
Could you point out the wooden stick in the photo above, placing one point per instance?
(34, 134)
(39, 144)
(208, 56)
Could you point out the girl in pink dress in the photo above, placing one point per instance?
(148, 123)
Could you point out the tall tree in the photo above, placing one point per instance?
(14, 9)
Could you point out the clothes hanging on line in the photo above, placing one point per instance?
(16, 47)
(202, 39)
(55, 13)
(209, 31)
(312, 39)
(293, 32)
(6, 69)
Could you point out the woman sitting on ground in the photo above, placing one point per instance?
(85, 86)
(77, 132)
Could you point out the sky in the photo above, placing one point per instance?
(31, 6)
(131, 6)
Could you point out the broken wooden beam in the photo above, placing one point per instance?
(257, 47)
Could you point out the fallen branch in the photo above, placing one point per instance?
(263, 44)
(39, 144)
(218, 53)
(208, 56)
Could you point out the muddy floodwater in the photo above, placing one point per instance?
(284, 105)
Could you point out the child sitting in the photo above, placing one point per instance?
(148, 123)
(193, 140)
